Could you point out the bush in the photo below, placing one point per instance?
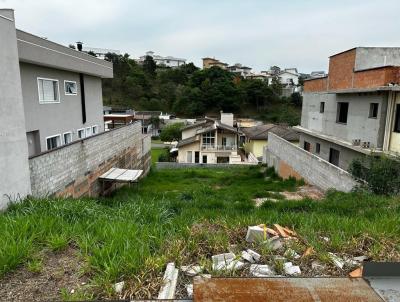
(381, 173)
(171, 132)
(164, 157)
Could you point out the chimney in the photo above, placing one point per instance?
(79, 45)
(227, 119)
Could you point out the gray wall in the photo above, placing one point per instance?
(73, 170)
(14, 169)
(313, 169)
(57, 118)
(370, 57)
(359, 125)
(345, 157)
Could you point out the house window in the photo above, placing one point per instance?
(95, 129)
(81, 133)
(397, 119)
(373, 110)
(307, 146)
(342, 111)
(318, 148)
(48, 90)
(322, 107)
(334, 156)
(209, 138)
(70, 88)
(88, 131)
(53, 141)
(67, 138)
(189, 156)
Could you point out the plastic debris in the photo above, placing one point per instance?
(336, 260)
(191, 270)
(118, 287)
(291, 270)
(263, 270)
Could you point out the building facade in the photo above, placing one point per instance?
(355, 109)
(210, 62)
(167, 61)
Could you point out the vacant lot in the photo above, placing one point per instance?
(82, 247)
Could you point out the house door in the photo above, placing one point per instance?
(395, 135)
(307, 146)
(204, 159)
(196, 157)
(224, 141)
(33, 142)
(334, 156)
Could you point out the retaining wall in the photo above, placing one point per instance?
(172, 165)
(73, 170)
(290, 160)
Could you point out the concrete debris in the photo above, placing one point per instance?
(258, 270)
(291, 254)
(274, 243)
(191, 270)
(317, 266)
(247, 256)
(256, 256)
(336, 260)
(279, 258)
(189, 289)
(235, 265)
(118, 287)
(360, 258)
(255, 234)
(357, 273)
(291, 270)
(170, 279)
(221, 261)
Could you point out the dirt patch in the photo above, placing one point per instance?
(302, 192)
(60, 271)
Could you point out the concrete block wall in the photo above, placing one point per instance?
(290, 160)
(73, 170)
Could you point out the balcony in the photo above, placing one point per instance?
(219, 147)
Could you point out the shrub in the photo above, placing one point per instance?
(381, 173)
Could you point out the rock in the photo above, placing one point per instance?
(291, 254)
(221, 261)
(189, 289)
(274, 243)
(118, 287)
(336, 260)
(72, 291)
(247, 256)
(235, 265)
(256, 256)
(255, 234)
(261, 270)
(291, 270)
(191, 270)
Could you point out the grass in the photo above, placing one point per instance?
(155, 154)
(186, 216)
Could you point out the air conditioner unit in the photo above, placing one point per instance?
(356, 142)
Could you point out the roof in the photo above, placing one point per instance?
(261, 132)
(197, 124)
(187, 141)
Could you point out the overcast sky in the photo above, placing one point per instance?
(256, 33)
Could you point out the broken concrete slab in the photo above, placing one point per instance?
(256, 256)
(221, 261)
(256, 234)
(274, 243)
(118, 287)
(336, 260)
(235, 265)
(261, 270)
(248, 257)
(291, 270)
(170, 279)
(191, 270)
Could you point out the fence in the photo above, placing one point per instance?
(172, 165)
(290, 160)
(73, 170)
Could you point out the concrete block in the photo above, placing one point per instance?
(261, 270)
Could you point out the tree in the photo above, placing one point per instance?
(296, 99)
(92, 53)
(171, 132)
(149, 66)
(276, 86)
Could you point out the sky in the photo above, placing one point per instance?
(256, 33)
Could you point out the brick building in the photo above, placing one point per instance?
(355, 109)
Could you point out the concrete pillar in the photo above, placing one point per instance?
(14, 166)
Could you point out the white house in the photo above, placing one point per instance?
(163, 61)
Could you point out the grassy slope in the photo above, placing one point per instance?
(135, 233)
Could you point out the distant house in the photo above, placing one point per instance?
(239, 69)
(210, 141)
(167, 61)
(256, 138)
(100, 52)
(210, 62)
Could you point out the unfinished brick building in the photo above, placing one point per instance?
(355, 110)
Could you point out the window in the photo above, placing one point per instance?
(48, 90)
(317, 148)
(95, 129)
(334, 156)
(342, 111)
(189, 156)
(397, 119)
(81, 133)
(307, 146)
(70, 88)
(88, 131)
(322, 107)
(53, 141)
(67, 138)
(373, 110)
(204, 159)
(209, 138)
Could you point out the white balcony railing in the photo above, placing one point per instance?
(219, 147)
